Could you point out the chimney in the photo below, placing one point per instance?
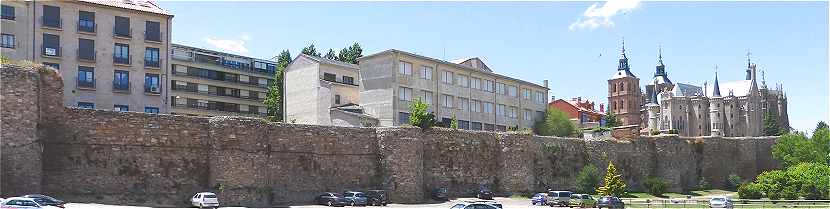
(579, 99)
(601, 107)
(546, 83)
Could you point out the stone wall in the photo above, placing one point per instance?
(160, 160)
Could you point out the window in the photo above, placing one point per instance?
(475, 83)
(151, 57)
(122, 108)
(348, 80)
(511, 90)
(8, 41)
(527, 94)
(51, 16)
(512, 112)
(446, 77)
(405, 68)
(151, 83)
(121, 54)
(426, 73)
(403, 118)
(488, 127)
(426, 97)
(488, 85)
(475, 106)
(447, 100)
(404, 94)
(122, 27)
(475, 126)
(463, 124)
(152, 31)
(86, 49)
(540, 97)
(462, 103)
(86, 21)
(500, 110)
(330, 77)
(86, 77)
(336, 99)
(121, 80)
(488, 107)
(500, 88)
(8, 12)
(154, 110)
(528, 115)
(462, 80)
(53, 65)
(86, 105)
(51, 45)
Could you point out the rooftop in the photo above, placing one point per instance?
(139, 5)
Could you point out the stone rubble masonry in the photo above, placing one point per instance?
(161, 160)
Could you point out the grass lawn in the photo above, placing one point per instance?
(699, 193)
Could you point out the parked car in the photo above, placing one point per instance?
(539, 199)
(559, 198)
(331, 199)
(440, 193)
(583, 200)
(377, 197)
(205, 199)
(610, 202)
(355, 198)
(720, 202)
(474, 205)
(20, 203)
(46, 200)
(484, 194)
(489, 202)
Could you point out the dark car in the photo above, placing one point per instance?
(440, 193)
(610, 202)
(377, 197)
(485, 194)
(331, 199)
(44, 200)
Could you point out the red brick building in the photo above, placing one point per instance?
(582, 113)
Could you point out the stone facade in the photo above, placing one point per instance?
(160, 160)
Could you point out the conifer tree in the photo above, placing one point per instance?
(613, 184)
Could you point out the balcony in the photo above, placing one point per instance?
(124, 33)
(7, 17)
(121, 87)
(51, 23)
(51, 51)
(86, 57)
(152, 89)
(122, 60)
(84, 84)
(86, 26)
(152, 64)
(156, 38)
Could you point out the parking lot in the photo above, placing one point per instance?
(508, 203)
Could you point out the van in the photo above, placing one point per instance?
(559, 198)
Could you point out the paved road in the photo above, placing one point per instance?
(506, 202)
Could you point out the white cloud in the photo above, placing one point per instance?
(232, 45)
(600, 16)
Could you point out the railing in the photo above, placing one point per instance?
(84, 84)
(50, 51)
(87, 57)
(237, 96)
(152, 89)
(121, 87)
(86, 28)
(10, 45)
(736, 203)
(220, 80)
(220, 111)
(51, 22)
(7, 17)
(157, 38)
(121, 35)
(122, 60)
(152, 64)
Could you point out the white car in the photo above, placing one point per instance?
(205, 199)
(20, 203)
(720, 202)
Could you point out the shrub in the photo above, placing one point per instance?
(418, 115)
(733, 181)
(655, 132)
(556, 123)
(673, 131)
(655, 185)
(749, 191)
(703, 184)
(587, 179)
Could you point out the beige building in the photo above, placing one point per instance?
(209, 83)
(479, 98)
(111, 54)
(323, 92)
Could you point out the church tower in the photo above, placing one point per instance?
(661, 81)
(716, 109)
(624, 98)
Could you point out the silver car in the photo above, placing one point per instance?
(720, 202)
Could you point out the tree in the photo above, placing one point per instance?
(587, 179)
(351, 53)
(655, 185)
(274, 96)
(454, 122)
(796, 147)
(771, 125)
(331, 55)
(807, 180)
(613, 184)
(311, 51)
(556, 123)
(611, 120)
(419, 115)
(821, 125)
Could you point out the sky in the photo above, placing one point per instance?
(574, 45)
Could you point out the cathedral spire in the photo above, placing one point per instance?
(716, 88)
(763, 79)
(748, 65)
(660, 55)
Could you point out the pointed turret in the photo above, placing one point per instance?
(623, 70)
(748, 66)
(716, 88)
(660, 76)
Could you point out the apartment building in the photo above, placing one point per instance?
(320, 91)
(479, 98)
(111, 54)
(211, 83)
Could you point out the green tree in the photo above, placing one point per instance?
(771, 125)
(454, 122)
(351, 54)
(821, 125)
(587, 179)
(611, 120)
(274, 96)
(655, 185)
(311, 51)
(805, 180)
(613, 184)
(796, 147)
(556, 123)
(419, 115)
(331, 55)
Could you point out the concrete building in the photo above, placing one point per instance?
(111, 54)
(323, 92)
(479, 98)
(210, 83)
(581, 112)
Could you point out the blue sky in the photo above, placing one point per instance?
(575, 45)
